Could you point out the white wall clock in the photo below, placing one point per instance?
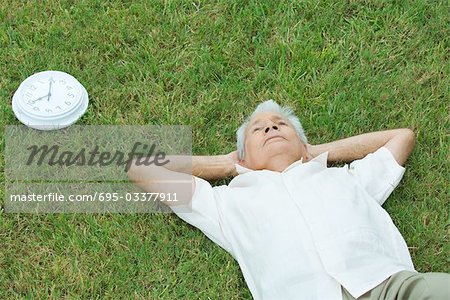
(50, 100)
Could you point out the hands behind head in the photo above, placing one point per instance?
(233, 159)
(233, 156)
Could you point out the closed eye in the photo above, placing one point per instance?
(256, 129)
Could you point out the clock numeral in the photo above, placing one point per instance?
(36, 108)
(67, 102)
(58, 107)
(41, 81)
(48, 110)
(30, 102)
(71, 95)
(29, 94)
(62, 81)
(33, 87)
(69, 87)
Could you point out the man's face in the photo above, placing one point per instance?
(270, 138)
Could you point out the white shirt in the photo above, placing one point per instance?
(304, 232)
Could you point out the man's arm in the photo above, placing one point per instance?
(207, 167)
(170, 177)
(210, 167)
(400, 142)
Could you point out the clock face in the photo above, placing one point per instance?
(50, 94)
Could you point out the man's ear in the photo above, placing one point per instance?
(308, 156)
(306, 148)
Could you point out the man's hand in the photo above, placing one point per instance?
(400, 142)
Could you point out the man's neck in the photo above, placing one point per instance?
(279, 163)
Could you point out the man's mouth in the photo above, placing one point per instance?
(273, 137)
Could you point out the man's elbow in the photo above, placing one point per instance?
(409, 138)
(133, 172)
(403, 145)
(141, 176)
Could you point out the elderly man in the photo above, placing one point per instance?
(297, 228)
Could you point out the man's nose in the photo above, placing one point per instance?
(275, 127)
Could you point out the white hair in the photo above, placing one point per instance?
(269, 106)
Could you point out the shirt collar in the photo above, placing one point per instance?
(321, 159)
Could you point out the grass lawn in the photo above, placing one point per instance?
(345, 67)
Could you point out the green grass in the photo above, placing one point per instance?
(346, 67)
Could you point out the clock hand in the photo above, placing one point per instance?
(50, 89)
(33, 101)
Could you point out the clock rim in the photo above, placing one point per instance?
(53, 124)
(19, 95)
(44, 118)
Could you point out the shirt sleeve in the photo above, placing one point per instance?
(378, 173)
(205, 213)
